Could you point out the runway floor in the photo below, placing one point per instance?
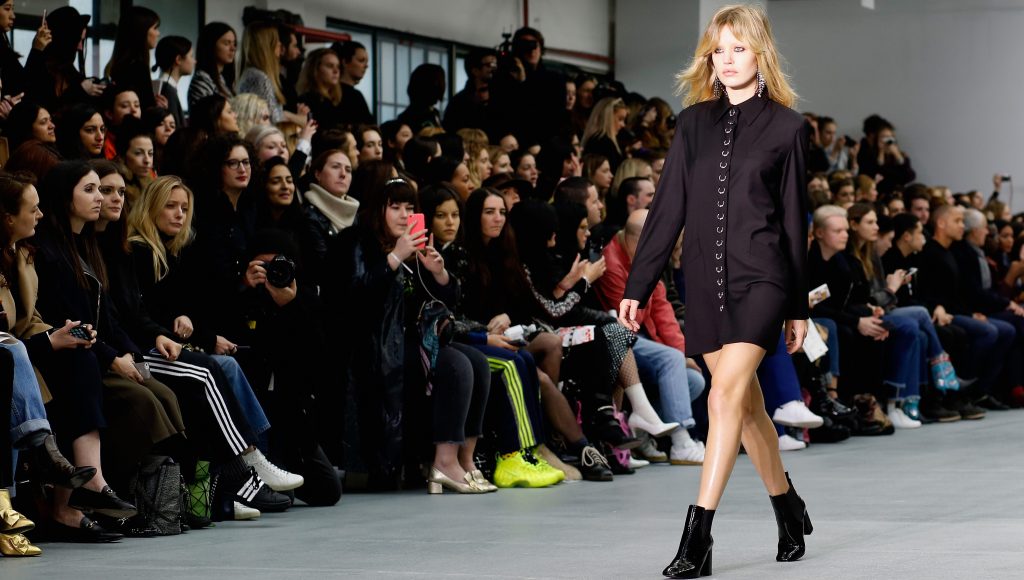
(943, 501)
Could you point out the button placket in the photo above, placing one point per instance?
(722, 205)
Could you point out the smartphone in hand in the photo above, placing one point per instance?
(417, 223)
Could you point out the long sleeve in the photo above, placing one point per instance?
(793, 193)
(661, 230)
(258, 83)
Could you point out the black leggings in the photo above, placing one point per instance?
(461, 383)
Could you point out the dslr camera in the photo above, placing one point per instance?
(280, 271)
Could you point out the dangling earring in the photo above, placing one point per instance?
(717, 89)
(760, 83)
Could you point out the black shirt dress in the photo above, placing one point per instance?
(735, 177)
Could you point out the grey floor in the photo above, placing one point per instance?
(939, 502)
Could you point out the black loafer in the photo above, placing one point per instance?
(135, 527)
(103, 502)
(87, 532)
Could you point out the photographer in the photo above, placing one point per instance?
(880, 155)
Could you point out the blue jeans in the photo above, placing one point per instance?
(903, 356)
(990, 341)
(677, 385)
(932, 346)
(242, 390)
(28, 415)
(779, 381)
(832, 342)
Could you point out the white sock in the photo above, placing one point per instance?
(681, 437)
(641, 405)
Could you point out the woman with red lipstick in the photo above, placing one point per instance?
(739, 154)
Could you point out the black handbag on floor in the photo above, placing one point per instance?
(159, 493)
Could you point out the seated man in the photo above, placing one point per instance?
(660, 348)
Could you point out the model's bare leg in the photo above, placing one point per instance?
(761, 441)
(728, 401)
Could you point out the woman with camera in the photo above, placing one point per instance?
(393, 273)
(881, 157)
(211, 411)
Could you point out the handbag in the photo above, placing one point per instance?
(159, 490)
(436, 326)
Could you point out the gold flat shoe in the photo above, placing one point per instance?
(478, 478)
(17, 545)
(438, 482)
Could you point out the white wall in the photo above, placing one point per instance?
(654, 39)
(946, 73)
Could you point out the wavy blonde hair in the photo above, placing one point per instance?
(259, 44)
(602, 120)
(142, 222)
(248, 107)
(750, 25)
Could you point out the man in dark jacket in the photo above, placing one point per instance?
(468, 108)
(943, 288)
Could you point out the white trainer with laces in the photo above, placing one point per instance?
(690, 454)
(650, 452)
(275, 477)
(790, 443)
(796, 414)
(244, 512)
(899, 419)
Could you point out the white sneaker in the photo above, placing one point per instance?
(649, 451)
(796, 414)
(789, 443)
(690, 454)
(899, 418)
(660, 429)
(277, 478)
(244, 512)
(635, 463)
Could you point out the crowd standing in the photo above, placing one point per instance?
(277, 295)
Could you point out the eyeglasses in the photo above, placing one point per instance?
(109, 189)
(236, 163)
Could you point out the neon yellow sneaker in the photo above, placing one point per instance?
(542, 466)
(514, 470)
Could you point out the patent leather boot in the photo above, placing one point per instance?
(694, 556)
(794, 524)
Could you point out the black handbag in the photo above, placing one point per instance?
(159, 493)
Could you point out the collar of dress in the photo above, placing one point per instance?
(748, 109)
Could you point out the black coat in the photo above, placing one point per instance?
(941, 280)
(847, 302)
(354, 110)
(978, 299)
(62, 298)
(744, 274)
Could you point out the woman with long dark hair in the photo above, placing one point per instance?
(81, 133)
(32, 138)
(375, 260)
(215, 63)
(741, 284)
(61, 83)
(29, 427)
(129, 67)
(520, 438)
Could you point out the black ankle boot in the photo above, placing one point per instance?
(50, 466)
(693, 559)
(794, 524)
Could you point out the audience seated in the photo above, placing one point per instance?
(253, 256)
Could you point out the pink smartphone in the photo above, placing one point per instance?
(417, 223)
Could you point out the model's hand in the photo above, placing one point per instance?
(796, 331)
(627, 314)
